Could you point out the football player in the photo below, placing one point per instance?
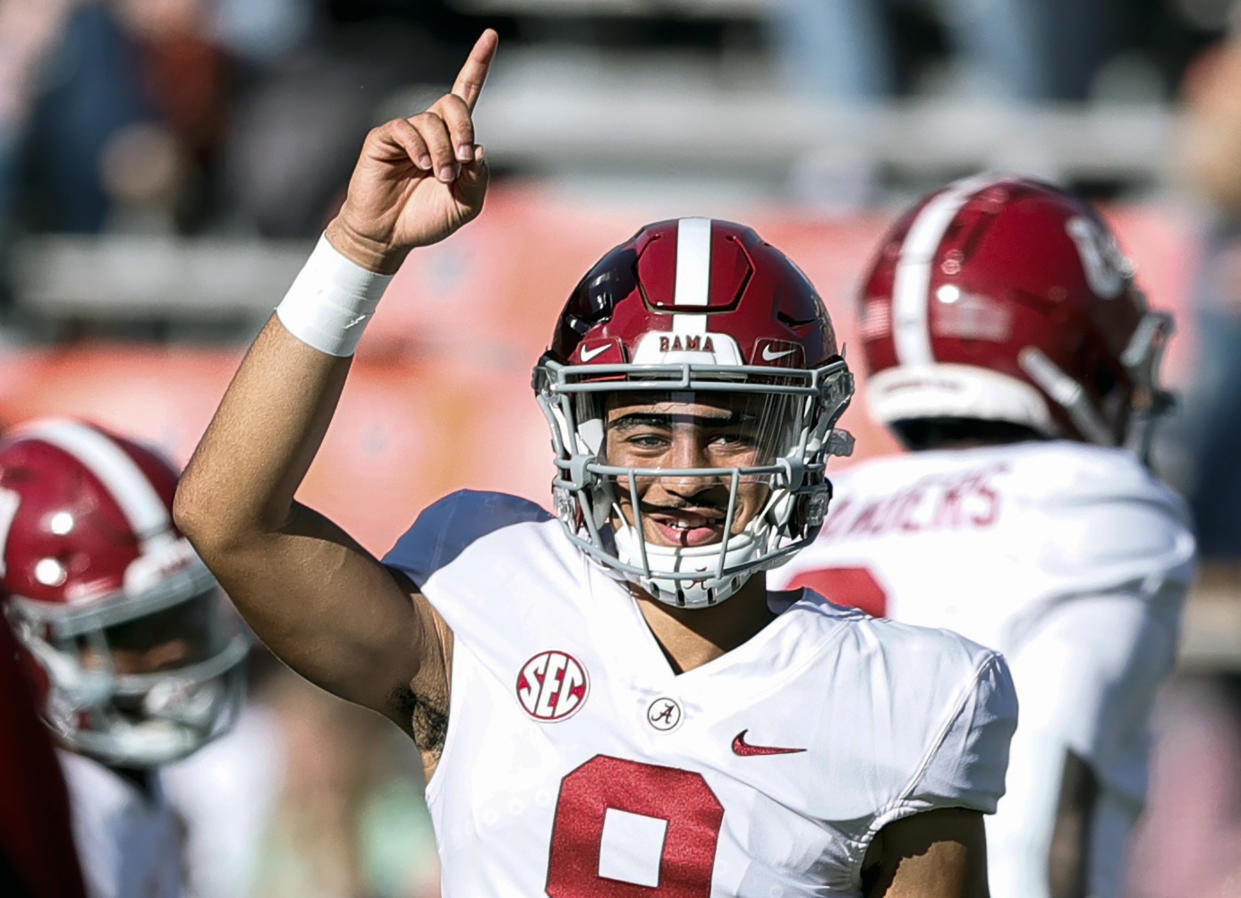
(609, 701)
(135, 654)
(1008, 346)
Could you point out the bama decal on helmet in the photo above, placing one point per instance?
(704, 348)
(688, 343)
(552, 686)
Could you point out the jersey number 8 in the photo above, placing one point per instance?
(680, 798)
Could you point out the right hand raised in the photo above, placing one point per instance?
(417, 179)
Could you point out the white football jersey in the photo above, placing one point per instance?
(577, 762)
(1073, 561)
(225, 793)
(129, 841)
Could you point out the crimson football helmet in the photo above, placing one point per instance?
(685, 308)
(135, 652)
(1008, 300)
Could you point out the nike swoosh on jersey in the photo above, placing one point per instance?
(745, 749)
(588, 354)
(769, 356)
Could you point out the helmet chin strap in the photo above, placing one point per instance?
(706, 586)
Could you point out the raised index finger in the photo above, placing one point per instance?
(469, 83)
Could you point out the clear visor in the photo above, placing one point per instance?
(691, 468)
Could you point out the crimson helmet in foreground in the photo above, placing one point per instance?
(135, 653)
(1005, 299)
(695, 310)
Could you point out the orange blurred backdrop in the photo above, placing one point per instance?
(439, 396)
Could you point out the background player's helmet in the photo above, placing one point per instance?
(92, 568)
(1003, 299)
(694, 307)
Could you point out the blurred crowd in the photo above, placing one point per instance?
(197, 117)
(206, 115)
(189, 115)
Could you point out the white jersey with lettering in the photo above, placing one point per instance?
(578, 763)
(129, 840)
(1070, 559)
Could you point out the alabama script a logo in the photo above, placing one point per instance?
(551, 686)
(664, 714)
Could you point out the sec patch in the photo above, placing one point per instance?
(552, 686)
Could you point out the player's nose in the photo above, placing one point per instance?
(687, 452)
(689, 448)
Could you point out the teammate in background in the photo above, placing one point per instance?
(631, 711)
(1008, 346)
(135, 653)
(37, 857)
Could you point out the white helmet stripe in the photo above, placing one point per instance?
(911, 331)
(123, 479)
(693, 273)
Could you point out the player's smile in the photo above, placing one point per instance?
(694, 526)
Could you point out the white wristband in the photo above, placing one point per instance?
(331, 300)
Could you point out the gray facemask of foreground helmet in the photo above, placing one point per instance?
(599, 502)
(146, 718)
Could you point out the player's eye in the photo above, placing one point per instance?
(733, 442)
(647, 442)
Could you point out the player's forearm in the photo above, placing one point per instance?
(315, 597)
(239, 484)
(417, 180)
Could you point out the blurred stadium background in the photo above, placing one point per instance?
(166, 165)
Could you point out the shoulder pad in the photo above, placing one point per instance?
(444, 530)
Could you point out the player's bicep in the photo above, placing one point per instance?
(332, 612)
(420, 705)
(935, 854)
